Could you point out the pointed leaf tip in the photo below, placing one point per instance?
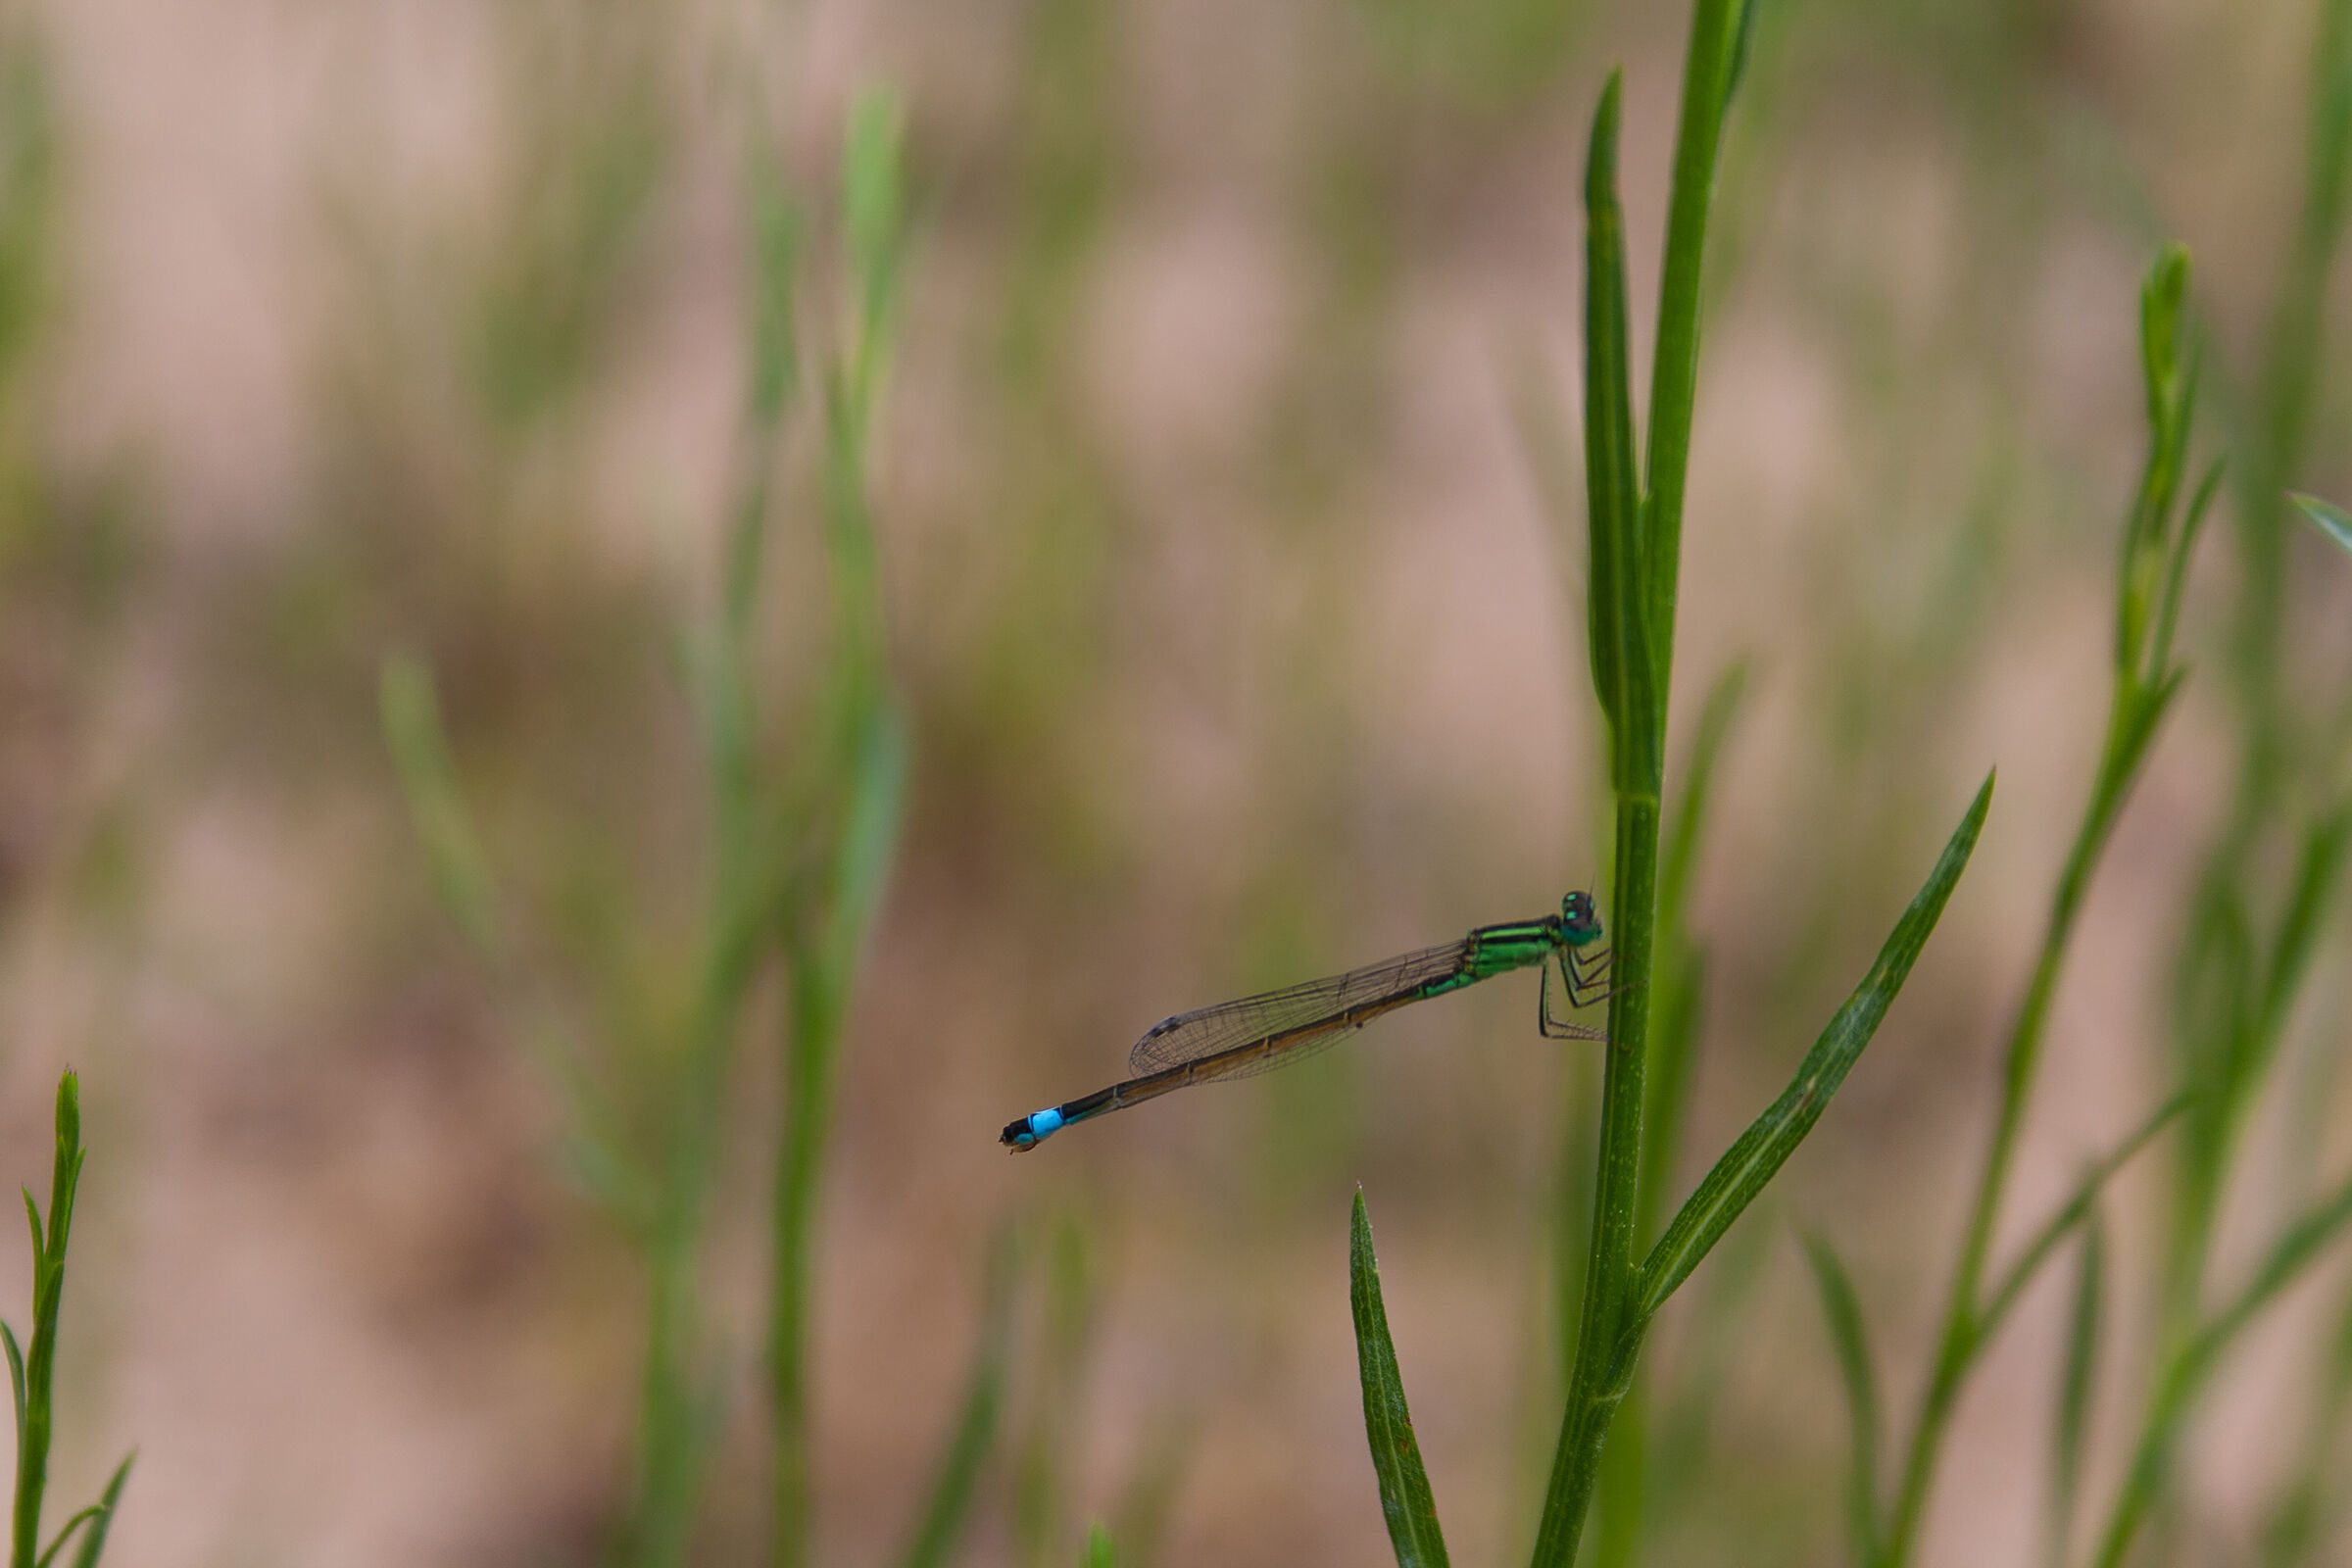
(1405, 1495)
(1757, 1155)
(2331, 520)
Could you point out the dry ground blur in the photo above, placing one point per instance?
(1240, 644)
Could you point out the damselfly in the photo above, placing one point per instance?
(1237, 1038)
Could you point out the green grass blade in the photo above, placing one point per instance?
(775, 357)
(40, 1357)
(774, 371)
(1611, 486)
(1843, 1310)
(1759, 1153)
(2170, 384)
(1742, 47)
(2072, 1419)
(869, 839)
(1717, 29)
(66, 1534)
(2176, 576)
(2316, 873)
(16, 1377)
(1404, 1496)
(2331, 520)
(453, 855)
(1640, 595)
(2319, 869)
(93, 1540)
(1101, 1549)
(975, 1431)
(873, 222)
(822, 974)
(2193, 1365)
(2079, 1209)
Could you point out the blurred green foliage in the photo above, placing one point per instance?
(1080, 501)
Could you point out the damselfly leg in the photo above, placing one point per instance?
(1585, 976)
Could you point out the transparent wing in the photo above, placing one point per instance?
(1229, 1025)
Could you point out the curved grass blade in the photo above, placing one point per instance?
(2079, 1209)
(2331, 520)
(93, 1538)
(1759, 1153)
(2195, 1362)
(1843, 1309)
(15, 1376)
(1099, 1550)
(1404, 1496)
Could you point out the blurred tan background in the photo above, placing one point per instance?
(1240, 641)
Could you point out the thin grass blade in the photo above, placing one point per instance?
(15, 1376)
(1404, 1496)
(2316, 873)
(48, 1296)
(1843, 1310)
(453, 854)
(66, 1532)
(2175, 574)
(2329, 519)
(873, 217)
(93, 1540)
(1759, 1153)
(2077, 1209)
(2075, 1382)
(2299, 1247)
(776, 236)
(1611, 485)
(1716, 54)
(869, 838)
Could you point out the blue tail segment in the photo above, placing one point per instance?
(1031, 1130)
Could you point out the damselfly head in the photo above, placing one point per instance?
(1017, 1137)
(1580, 922)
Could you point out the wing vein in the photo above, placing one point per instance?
(1235, 1025)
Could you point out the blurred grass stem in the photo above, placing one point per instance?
(2153, 560)
(851, 822)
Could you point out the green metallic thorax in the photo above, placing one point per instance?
(1494, 949)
